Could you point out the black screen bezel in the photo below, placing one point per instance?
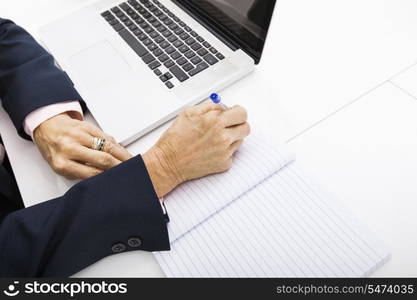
(256, 54)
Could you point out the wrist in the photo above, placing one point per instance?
(163, 174)
(45, 123)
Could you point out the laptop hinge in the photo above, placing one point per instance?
(221, 36)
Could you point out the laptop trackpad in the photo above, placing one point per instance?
(99, 65)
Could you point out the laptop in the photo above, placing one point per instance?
(139, 63)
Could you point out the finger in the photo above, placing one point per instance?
(117, 151)
(234, 116)
(238, 132)
(206, 107)
(96, 132)
(235, 146)
(75, 170)
(111, 146)
(97, 159)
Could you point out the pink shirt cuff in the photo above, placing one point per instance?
(40, 115)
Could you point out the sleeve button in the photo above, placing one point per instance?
(134, 242)
(118, 248)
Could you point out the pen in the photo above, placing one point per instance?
(217, 100)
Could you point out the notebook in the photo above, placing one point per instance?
(265, 218)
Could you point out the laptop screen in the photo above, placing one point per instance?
(246, 22)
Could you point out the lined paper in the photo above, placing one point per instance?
(195, 201)
(283, 227)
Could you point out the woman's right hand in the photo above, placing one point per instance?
(201, 142)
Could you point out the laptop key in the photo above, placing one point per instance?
(133, 27)
(210, 59)
(179, 74)
(184, 49)
(169, 84)
(142, 37)
(158, 52)
(196, 46)
(188, 67)
(167, 33)
(114, 22)
(169, 63)
(196, 60)
(159, 39)
(164, 44)
(118, 27)
(152, 47)
(172, 38)
(163, 58)
(173, 26)
(170, 50)
(161, 28)
(184, 36)
(178, 43)
(147, 42)
(163, 78)
(148, 58)
(168, 75)
(190, 41)
(213, 50)
(155, 64)
(220, 56)
(179, 31)
(153, 34)
(182, 60)
(157, 72)
(199, 68)
(133, 43)
(124, 6)
(168, 22)
(137, 32)
(109, 18)
(120, 14)
(152, 20)
(175, 55)
(190, 54)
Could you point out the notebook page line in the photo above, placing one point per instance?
(329, 215)
(189, 205)
(177, 204)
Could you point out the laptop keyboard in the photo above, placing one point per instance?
(164, 42)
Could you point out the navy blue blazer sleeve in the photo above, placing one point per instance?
(113, 212)
(29, 78)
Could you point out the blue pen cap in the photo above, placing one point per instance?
(215, 98)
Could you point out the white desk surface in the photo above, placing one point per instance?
(337, 80)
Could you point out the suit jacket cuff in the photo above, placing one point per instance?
(49, 86)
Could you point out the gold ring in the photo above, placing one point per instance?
(98, 144)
